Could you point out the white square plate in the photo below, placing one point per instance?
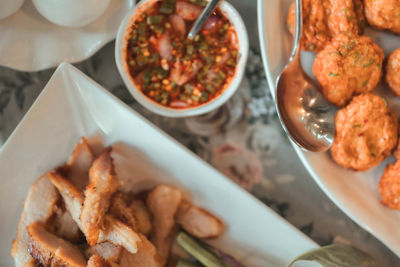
(71, 106)
(356, 193)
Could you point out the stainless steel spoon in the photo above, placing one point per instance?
(202, 18)
(305, 115)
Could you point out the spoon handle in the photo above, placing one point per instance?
(298, 28)
(203, 18)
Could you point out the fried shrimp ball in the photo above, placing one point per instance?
(393, 72)
(383, 14)
(323, 19)
(348, 66)
(389, 186)
(366, 133)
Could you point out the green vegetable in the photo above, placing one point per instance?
(141, 60)
(167, 7)
(182, 97)
(202, 3)
(210, 88)
(331, 74)
(146, 78)
(185, 263)
(155, 19)
(370, 62)
(337, 255)
(154, 58)
(231, 63)
(188, 88)
(204, 96)
(364, 83)
(198, 251)
(157, 29)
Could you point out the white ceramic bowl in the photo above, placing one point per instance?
(9, 7)
(120, 49)
(71, 13)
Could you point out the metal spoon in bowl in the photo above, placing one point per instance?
(202, 18)
(306, 116)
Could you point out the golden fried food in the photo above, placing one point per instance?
(389, 186)
(348, 66)
(366, 133)
(393, 72)
(51, 250)
(103, 183)
(65, 223)
(198, 221)
(38, 207)
(163, 203)
(383, 14)
(323, 19)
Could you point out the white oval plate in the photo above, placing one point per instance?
(356, 193)
(29, 42)
(71, 105)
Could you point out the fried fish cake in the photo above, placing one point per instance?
(348, 66)
(323, 19)
(383, 14)
(392, 76)
(366, 133)
(389, 186)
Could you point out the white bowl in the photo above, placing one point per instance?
(120, 48)
(71, 13)
(9, 7)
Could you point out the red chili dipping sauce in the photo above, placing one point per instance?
(171, 69)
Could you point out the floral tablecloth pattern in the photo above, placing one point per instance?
(243, 139)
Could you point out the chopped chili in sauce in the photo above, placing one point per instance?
(173, 70)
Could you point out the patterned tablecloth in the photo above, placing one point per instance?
(243, 139)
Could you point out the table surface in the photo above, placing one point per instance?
(243, 139)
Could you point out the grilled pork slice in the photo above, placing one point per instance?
(142, 217)
(119, 233)
(163, 202)
(102, 184)
(120, 209)
(51, 250)
(97, 261)
(64, 226)
(106, 250)
(198, 221)
(135, 215)
(73, 198)
(79, 163)
(145, 256)
(38, 206)
(112, 229)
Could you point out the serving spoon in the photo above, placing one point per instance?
(198, 24)
(306, 116)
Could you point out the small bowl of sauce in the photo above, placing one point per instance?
(172, 75)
